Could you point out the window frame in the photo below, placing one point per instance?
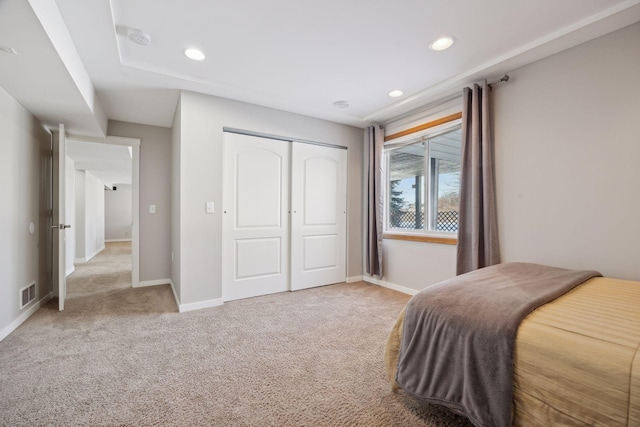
(423, 135)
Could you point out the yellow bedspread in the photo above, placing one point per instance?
(576, 358)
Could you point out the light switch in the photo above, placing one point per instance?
(209, 207)
(152, 208)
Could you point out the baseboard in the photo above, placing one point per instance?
(70, 270)
(117, 240)
(24, 316)
(388, 285)
(182, 308)
(353, 279)
(372, 280)
(95, 253)
(157, 282)
(87, 259)
(200, 305)
(175, 295)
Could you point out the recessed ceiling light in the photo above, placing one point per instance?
(396, 93)
(193, 53)
(442, 43)
(341, 104)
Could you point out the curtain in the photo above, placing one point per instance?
(374, 141)
(478, 227)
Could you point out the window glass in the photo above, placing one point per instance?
(406, 183)
(424, 183)
(447, 188)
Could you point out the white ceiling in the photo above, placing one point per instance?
(46, 76)
(298, 56)
(302, 56)
(111, 164)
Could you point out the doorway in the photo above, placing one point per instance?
(105, 238)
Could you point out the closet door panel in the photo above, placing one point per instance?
(318, 220)
(320, 252)
(255, 220)
(320, 191)
(258, 191)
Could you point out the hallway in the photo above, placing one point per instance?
(107, 271)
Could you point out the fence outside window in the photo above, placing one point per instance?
(445, 221)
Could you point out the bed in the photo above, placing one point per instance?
(575, 358)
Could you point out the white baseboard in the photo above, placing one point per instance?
(95, 253)
(175, 295)
(182, 308)
(353, 279)
(200, 305)
(388, 285)
(87, 259)
(24, 316)
(69, 271)
(117, 240)
(157, 282)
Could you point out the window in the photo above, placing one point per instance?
(423, 182)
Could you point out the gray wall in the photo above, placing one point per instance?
(200, 179)
(176, 135)
(568, 156)
(93, 215)
(117, 213)
(25, 168)
(80, 252)
(155, 189)
(567, 166)
(89, 209)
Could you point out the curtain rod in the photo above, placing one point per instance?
(504, 78)
(439, 102)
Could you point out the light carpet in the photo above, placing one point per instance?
(126, 357)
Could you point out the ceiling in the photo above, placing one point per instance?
(76, 66)
(110, 163)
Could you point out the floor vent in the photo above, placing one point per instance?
(27, 294)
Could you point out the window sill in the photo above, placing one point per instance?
(421, 238)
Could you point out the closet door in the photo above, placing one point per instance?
(318, 217)
(255, 252)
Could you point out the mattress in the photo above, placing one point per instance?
(576, 358)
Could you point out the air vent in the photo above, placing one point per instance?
(27, 294)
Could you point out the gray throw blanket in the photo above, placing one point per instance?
(459, 336)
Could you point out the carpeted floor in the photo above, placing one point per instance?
(121, 356)
(109, 270)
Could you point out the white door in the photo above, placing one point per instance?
(319, 215)
(59, 226)
(255, 224)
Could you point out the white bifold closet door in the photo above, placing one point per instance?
(319, 215)
(255, 224)
(273, 239)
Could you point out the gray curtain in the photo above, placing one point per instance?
(478, 228)
(374, 141)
